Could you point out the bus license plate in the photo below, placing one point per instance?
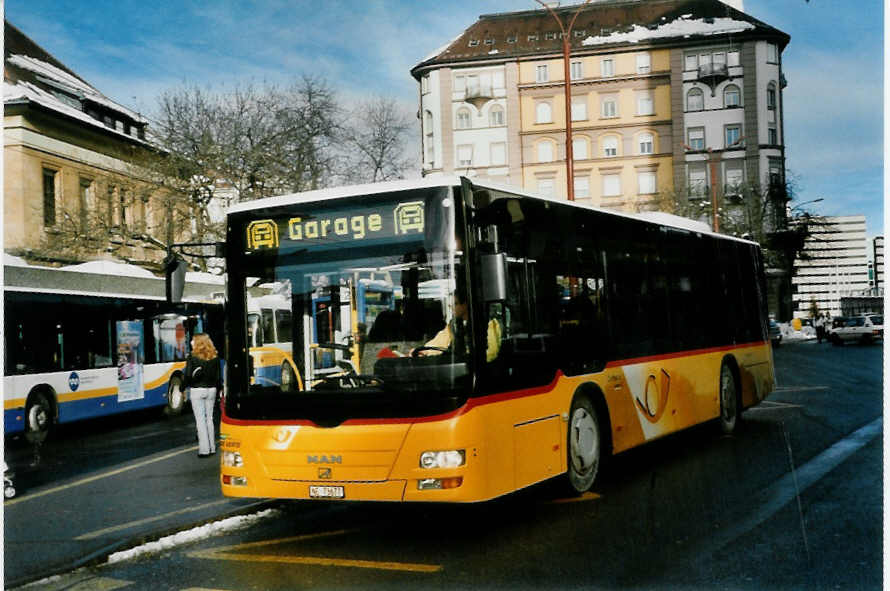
(326, 492)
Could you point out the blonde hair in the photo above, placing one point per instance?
(202, 347)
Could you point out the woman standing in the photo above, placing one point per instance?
(202, 377)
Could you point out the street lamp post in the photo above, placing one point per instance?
(566, 36)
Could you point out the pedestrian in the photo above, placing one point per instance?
(820, 327)
(203, 379)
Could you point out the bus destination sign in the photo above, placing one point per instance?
(354, 225)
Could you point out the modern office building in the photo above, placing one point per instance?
(832, 266)
(666, 96)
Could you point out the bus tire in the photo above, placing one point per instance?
(584, 445)
(175, 397)
(730, 400)
(38, 417)
(288, 377)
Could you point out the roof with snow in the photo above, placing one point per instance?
(603, 24)
(32, 76)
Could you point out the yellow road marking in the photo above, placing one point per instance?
(225, 553)
(588, 496)
(56, 489)
(107, 530)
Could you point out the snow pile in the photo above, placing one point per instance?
(192, 535)
(682, 27)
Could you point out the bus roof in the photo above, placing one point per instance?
(101, 281)
(653, 217)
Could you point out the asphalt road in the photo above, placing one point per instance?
(792, 501)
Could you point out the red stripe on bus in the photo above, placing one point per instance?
(651, 358)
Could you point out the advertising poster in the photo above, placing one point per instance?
(130, 357)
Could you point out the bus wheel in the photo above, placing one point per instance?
(584, 445)
(175, 397)
(38, 417)
(288, 379)
(729, 399)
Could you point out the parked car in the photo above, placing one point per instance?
(775, 333)
(861, 329)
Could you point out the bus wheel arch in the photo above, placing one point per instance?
(41, 412)
(176, 395)
(729, 393)
(588, 439)
(290, 377)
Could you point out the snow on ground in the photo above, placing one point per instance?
(193, 535)
(682, 27)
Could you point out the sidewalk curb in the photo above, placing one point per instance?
(100, 556)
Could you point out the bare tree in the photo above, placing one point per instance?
(377, 138)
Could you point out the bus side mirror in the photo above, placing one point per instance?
(174, 270)
(494, 277)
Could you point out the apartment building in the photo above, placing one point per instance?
(68, 169)
(666, 96)
(832, 266)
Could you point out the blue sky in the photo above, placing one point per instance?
(132, 51)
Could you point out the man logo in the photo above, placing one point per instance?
(324, 473)
(324, 459)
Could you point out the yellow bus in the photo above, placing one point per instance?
(520, 339)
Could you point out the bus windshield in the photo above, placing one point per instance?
(355, 327)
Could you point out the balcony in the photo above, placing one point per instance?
(712, 75)
(479, 95)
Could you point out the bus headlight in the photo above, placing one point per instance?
(443, 459)
(232, 459)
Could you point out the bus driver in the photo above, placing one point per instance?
(455, 332)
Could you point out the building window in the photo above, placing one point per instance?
(579, 148)
(579, 110)
(86, 201)
(428, 128)
(644, 63)
(772, 53)
(465, 156)
(496, 116)
(771, 96)
(489, 41)
(497, 79)
(695, 99)
(732, 97)
(696, 138)
(546, 187)
(646, 143)
(582, 187)
(541, 74)
(772, 136)
(577, 70)
(610, 146)
(498, 154)
(511, 38)
(543, 113)
(474, 42)
(734, 175)
(532, 37)
(609, 107)
(645, 103)
(123, 208)
(460, 83)
(545, 151)
(646, 183)
(732, 58)
(692, 62)
(425, 84)
(463, 118)
(733, 135)
(49, 198)
(611, 185)
(550, 36)
(698, 180)
(607, 67)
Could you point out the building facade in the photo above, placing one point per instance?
(832, 266)
(877, 253)
(70, 193)
(667, 97)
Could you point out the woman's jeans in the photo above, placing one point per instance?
(203, 400)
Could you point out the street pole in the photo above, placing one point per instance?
(566, 36)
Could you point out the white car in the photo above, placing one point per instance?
(862, 329)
